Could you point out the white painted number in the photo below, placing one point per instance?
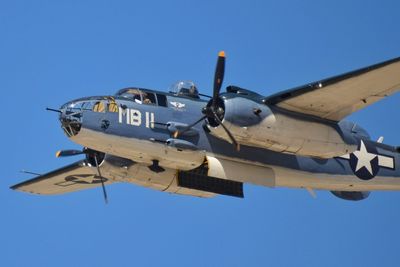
(134, 117)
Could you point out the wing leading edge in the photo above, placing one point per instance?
(74, 177)
(337, 97)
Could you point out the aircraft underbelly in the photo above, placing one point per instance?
(300, 179)
(277, 176)
(141, 175)
(138, 150)
(229, 168)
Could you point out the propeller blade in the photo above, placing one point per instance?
(219, 77)
(87, 151)
(69, 152)
(235, 143)
(102, 180)
(177, 133)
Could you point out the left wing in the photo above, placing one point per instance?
(337, 97)
(74, 177)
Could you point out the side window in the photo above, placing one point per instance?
(99, 107)
(137, 98)
(149, 99)
(162, 100)
(88, 105)
(146, 97)
(112, 106)
(133, 94)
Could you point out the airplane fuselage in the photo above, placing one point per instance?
(179, 143)
(144, 133)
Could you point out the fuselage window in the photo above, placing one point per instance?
(149, 99)
(162, 100)
(141, 96)
(99, 107)
(133, 94)
(112, 106)
(88, 105)
(137, 98)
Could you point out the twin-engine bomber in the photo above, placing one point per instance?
(184, 142)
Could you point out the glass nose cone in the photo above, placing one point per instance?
(71, 118)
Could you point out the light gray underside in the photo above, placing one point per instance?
(55, 182)
(338, 100)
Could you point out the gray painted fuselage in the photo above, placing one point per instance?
(282, 169)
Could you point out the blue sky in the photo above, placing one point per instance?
(55, 51)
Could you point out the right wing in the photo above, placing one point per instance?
(337, 97)
(74, 177)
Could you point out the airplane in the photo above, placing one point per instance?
(184, 142)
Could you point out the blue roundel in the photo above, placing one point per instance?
(364, 162)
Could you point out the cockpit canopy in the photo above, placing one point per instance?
(185, 88)
(137, 95)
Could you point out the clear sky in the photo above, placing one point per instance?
(55, 51)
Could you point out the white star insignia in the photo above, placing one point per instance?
(364, 158)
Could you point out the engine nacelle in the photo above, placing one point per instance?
(350, 195)
(125, 170)
(238, 171)
(174, 154)
(213, 176)
(256, 124)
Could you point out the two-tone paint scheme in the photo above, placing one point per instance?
(284, 142)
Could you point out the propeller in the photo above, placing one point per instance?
(101, 179)
(212, 110)
(88, 152)
(69, 152)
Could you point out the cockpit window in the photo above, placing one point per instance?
(161, 100)
(88, 105)
(139, 96)
(149, 99)
(99, 107)
(185, 88)
(112, 106)
(132, 94)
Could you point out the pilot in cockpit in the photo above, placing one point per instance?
(185, 88)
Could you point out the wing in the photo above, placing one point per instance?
(337, 97)
(74, 177)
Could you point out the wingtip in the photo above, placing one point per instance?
(14, 187)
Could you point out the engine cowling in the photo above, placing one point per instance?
(256, 124)
(125, 170)
(94, 157)
(214, 176)
(174, 154)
